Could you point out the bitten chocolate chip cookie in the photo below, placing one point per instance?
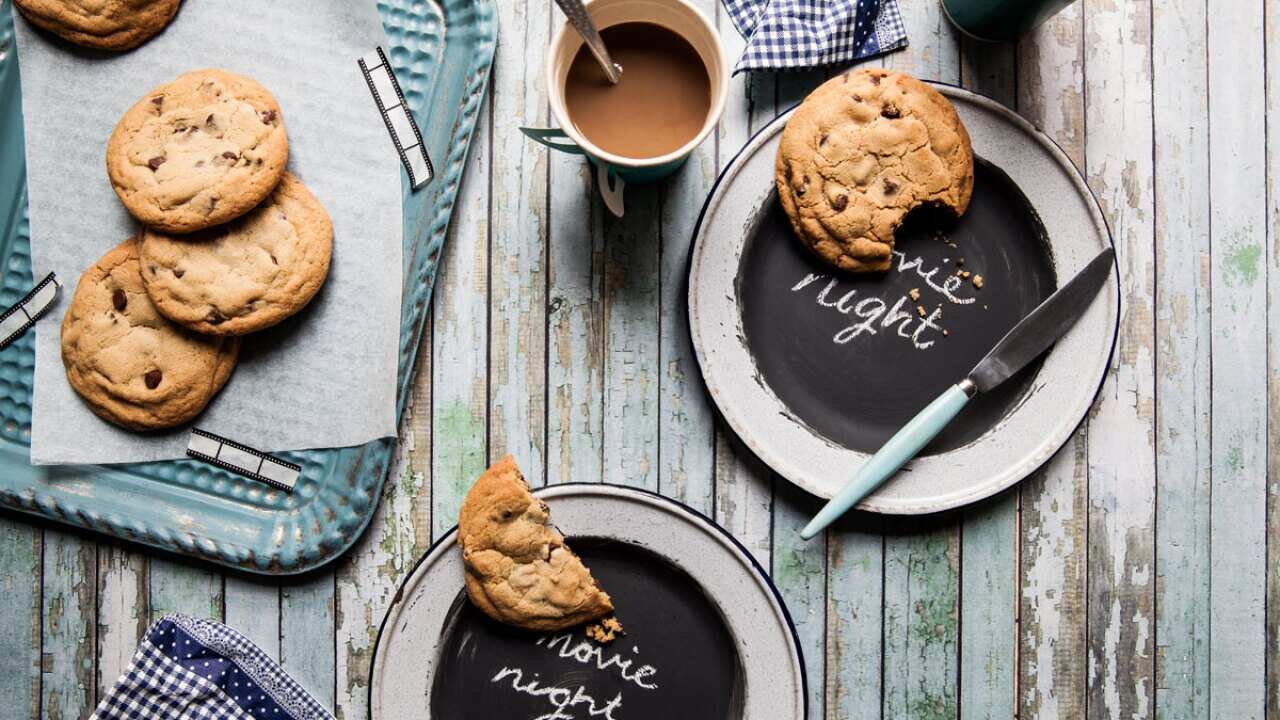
(862, 151)
(131, 365)
(518, 569)
(247, 275)
(197, 152)
(101, 24)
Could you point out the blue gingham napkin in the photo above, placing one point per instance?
(808, 33)
(192, 669)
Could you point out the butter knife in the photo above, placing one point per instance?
(1025, 342)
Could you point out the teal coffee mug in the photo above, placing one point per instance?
(1000, 20)
(615, 172)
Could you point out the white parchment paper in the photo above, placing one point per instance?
(324, 378)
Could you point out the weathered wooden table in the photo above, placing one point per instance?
(1129, 578)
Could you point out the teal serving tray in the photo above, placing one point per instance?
(441, 52)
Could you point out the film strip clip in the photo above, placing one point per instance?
(400, 123)
(242, 460)
(24, 313)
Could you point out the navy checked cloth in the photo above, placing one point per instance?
(192, 669)
(808, 33)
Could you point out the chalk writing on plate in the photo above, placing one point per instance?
(875, 314)
(565, 702)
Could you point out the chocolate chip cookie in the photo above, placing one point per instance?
(114, 25)
(131, 365)
(863, 150)
(247, 275)
(518, 569)
(197, 152)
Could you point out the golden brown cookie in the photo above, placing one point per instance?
(131, 365)
(247, 275)
(862, 151)
(518, 569)
(197, 152)
(100, 24)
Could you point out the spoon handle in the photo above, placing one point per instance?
(577, 14)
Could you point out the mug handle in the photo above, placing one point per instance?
(554, 138)
(610, 192)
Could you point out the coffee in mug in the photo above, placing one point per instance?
(661, 102)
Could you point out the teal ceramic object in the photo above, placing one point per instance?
(442, 52)
(1000, 20)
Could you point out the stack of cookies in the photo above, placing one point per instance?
(231, 244)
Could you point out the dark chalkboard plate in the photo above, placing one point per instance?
(708, 637)
(815, 369)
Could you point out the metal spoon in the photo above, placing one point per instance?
(581, 21)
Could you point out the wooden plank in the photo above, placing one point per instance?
(253, 609)
(800, 572)
(518, 241)
(307, 634)
(855, 598)
(921, 556)
(575, 324)
(1183, 377)
(122, 609)
(460, 342)
(176, 585)
(1121, 587)
(631, 341)
(20, 548)
(1273, 358)
(989, 530)
(1054, 501)
(400, 531)
(921, 623)
(68, 615)
(1238, 442)
(686, 436)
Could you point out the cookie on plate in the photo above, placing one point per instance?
(247, 275)
(116, 25)
(197, 152)
(518, 569)
(863, 150)
(132, 366)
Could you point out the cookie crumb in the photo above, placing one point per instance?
(965, 273)
(920, 309)
(944, 331)
(605, 631)
(977, 282)
(914, 294)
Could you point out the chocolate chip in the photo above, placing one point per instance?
(119, 300)
(155, 162)
(268, 116)
(890, 111)
(800, 191)
(152, 379)
(180, 129)
(875, 79)
(822, 140)
(274, 261)
(157, 100)
(179, 272)
(856, 97)
(230, 155)
(839, 202)
(890, 187)
(215, 317)
(209, 120)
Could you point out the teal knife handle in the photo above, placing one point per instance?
(903, 446)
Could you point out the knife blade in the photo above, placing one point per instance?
(1031, 336)
(1049, 321)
